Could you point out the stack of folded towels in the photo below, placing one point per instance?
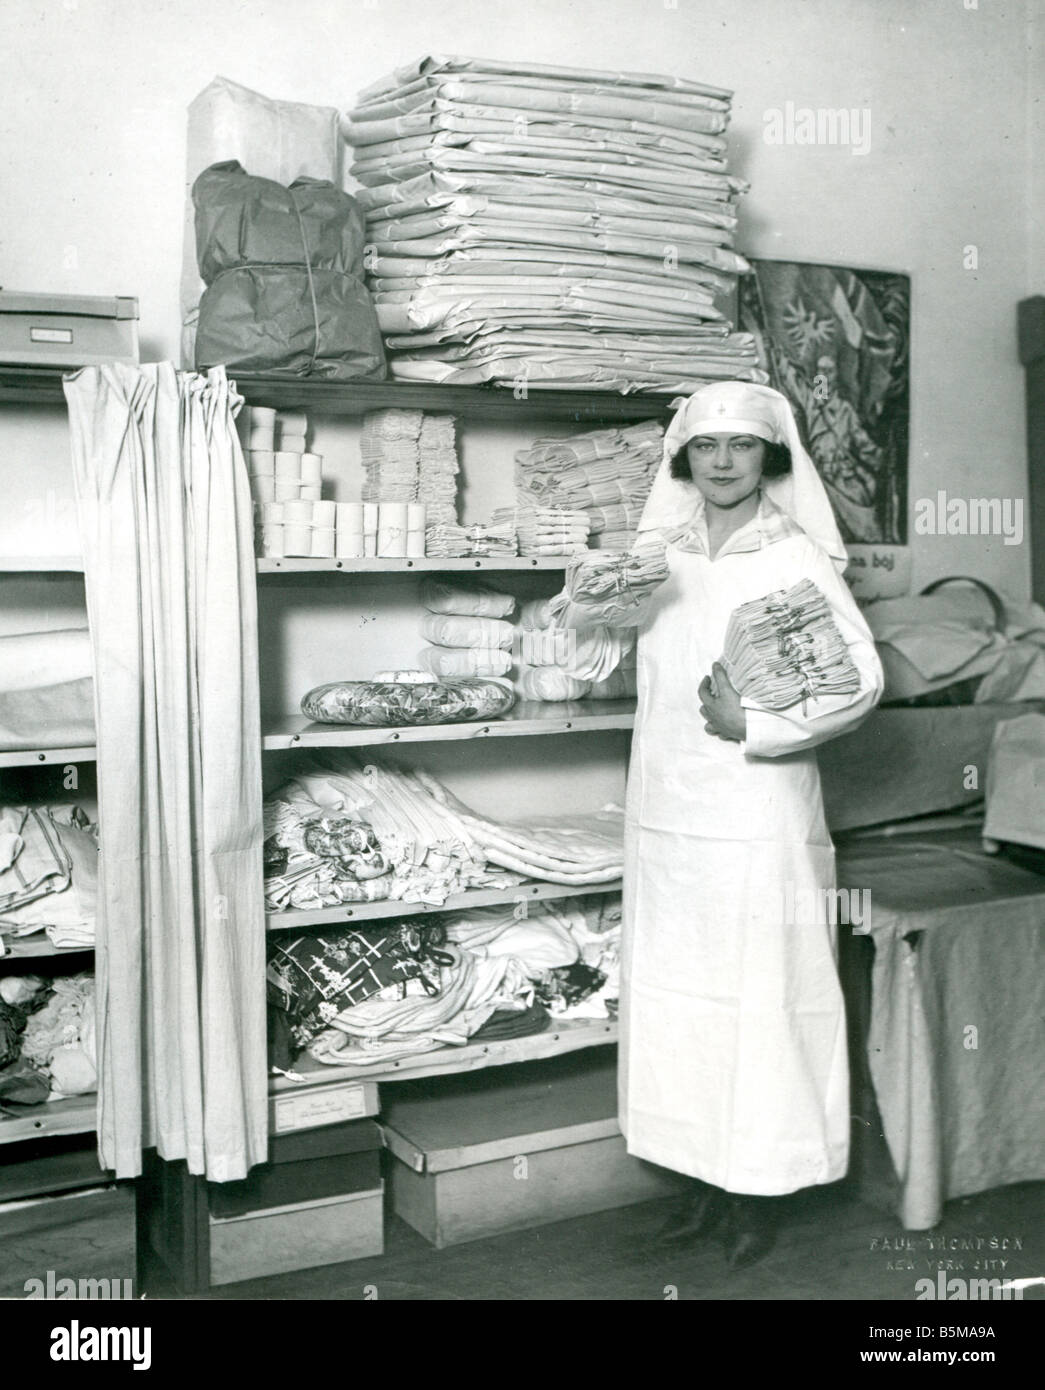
(785, 647)
(467, 628)
(607, 474)
(546, 531)
(556, 226)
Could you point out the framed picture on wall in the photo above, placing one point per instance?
(836, 342)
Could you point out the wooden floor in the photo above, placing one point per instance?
(833, 1247)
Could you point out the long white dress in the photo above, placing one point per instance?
(733, 1062)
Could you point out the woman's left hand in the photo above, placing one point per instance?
(720, 705)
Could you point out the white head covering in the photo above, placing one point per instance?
(738, 407)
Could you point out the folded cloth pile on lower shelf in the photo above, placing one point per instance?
(48, 874)
(549, 654)
(372, 996)
(47, 1038)
(606, 474)
(468, 628)
(345, 833)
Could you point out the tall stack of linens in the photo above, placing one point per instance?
(555, 226)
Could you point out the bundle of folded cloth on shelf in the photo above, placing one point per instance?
(468, 629)
(345, 833)
(606, 474)
(47, 1038)
(409, 456)
(557, 226)
(784, 647)
(490, 540)
(48, 874)
(370, 996)
(548, 654)
(46, 690)
(546, 531)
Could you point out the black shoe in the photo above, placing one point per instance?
(697, 1216)
(751, 1231)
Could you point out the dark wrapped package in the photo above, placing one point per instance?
(260, 319)
(284, 274)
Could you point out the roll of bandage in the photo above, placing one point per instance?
(415, 529)
(287, 490)
(293, 421)
(263, 416)
(263, 487)
(272, 541)
(323, 542)
(391, 529)
(348, 545)
(312, 470)
(311, 494)
(261, 462)
(350, 518)
(324, 515)
(288, 465)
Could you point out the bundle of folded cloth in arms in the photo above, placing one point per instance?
(512, 241)
(344, 833)
(368, 997)
(48, 874)
(784, 647)
(47, 1038)
(604, 474)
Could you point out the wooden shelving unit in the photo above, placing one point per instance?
(530, 890)
(569, 410)
(588, 409)
(564, 1035)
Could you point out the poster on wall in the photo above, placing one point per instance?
(836, 342)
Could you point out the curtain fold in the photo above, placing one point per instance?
(167, 530)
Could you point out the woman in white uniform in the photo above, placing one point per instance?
(733, 1065)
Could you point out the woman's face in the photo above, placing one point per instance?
(727, 468)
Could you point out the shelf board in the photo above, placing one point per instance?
(564, 1035)
(528, 718)
(32, 947)
(427, 565)
(29, 385)
(34, 757)
(531, 890)
(491, 403)
(55, 1117)
(41, 564)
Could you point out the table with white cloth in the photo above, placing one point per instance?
(954, 1028)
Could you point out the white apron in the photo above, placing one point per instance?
(733, 1062)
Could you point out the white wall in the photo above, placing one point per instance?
(93, 118)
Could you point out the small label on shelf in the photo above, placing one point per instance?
(327, 1106)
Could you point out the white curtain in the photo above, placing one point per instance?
(167, 530)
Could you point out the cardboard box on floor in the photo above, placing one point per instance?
(513, 1147)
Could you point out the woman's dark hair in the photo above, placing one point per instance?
(775, 463)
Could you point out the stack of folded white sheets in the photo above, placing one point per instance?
(784, 647)
(546, 531)
(607, 474)
(558, 226)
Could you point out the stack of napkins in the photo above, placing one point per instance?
(605, 473)
(437, 469)
(613, 584)
(390, 453)
(449, 541)
(785, 647)
(562, 227)
(546, 530)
